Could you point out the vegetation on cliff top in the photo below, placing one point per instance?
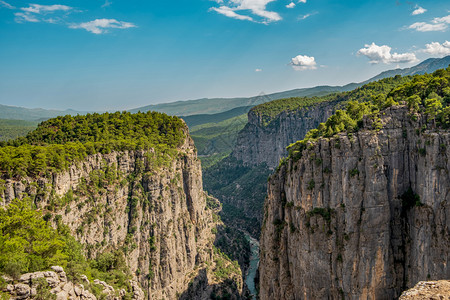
(428, 94)
(57, 143)
(270, 110)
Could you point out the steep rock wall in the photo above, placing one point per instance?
(258, 143)
(335, 223)
(150, 207)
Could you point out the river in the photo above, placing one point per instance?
(254, 262)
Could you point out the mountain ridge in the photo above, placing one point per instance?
(220, 105)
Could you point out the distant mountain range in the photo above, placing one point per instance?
(212, 106)
(33, 114)
(219, 105)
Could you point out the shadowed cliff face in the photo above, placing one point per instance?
(258, 143)
(360, 216)
(153, 210)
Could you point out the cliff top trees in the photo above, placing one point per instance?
(428, 94)
(59, 142)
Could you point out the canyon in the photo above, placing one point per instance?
(362, 215)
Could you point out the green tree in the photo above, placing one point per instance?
(432, 108)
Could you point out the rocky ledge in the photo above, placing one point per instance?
(54, 284)
(429, 290)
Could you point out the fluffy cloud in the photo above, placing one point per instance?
(437, 24)
(36, 13)
(24, 17)
(7, 5)
(100, 26)
(291, 5)
(382, 54)
(418, 10)
(258, 70)
(435, 48)
(229, 12)
(38, 9)
(303, 62)
(257, 8)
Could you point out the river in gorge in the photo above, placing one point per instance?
(254, 262)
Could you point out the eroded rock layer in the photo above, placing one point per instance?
(260, 143)
(360, 216)
(151, 207)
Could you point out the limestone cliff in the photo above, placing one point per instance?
(261, 143)
(55, 285)
(150, 206)
(360, 216)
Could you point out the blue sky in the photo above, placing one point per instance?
(116, 54)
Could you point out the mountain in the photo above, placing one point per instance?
(218, 105)
(195, 120)
(427, 66)
(33, 114)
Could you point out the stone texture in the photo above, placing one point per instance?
(335, 226)
(167, 233)
(428, 290)
(257, 143)
(57, 281)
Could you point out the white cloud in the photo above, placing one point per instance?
(36, 12)
(100, 26)
(255, 7)
(437, 24)
(106, 4)
(291, 5)
(7, 5)
(303, 62)
(436, 48)
(304, 17)
(25, 17)
(227, 11)
(258, 70)
(418, 10)
(301, 1)
(38, 9)
(382, 54)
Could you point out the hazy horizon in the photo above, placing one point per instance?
(116, 55)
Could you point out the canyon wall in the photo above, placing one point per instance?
(360, 216)
(260, 143)
(150, 206)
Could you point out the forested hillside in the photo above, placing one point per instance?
(57, 143)
(428, 94)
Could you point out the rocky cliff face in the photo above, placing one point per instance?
(151, 207)
(258, 143)
(55, 285)
(360, 216)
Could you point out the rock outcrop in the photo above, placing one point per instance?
(428, 290)
(360, 216)
(259, 143)
(150, 206)
(55, 283)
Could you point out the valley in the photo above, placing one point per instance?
(328, 192)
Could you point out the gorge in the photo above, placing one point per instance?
(356, 188)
